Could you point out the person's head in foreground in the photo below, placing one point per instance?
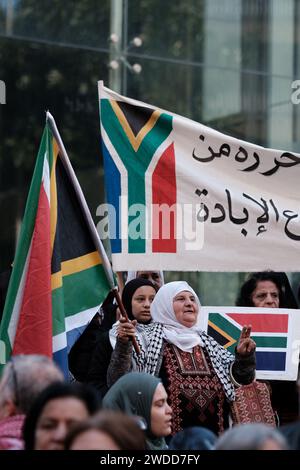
(143, 395)
(23, 378)
(107, 430)
(55, 410)
(252, 436)
(193, 438)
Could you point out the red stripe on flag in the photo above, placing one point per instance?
(262, 322)
(34, 330)
(164, 193)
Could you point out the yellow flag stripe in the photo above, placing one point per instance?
(135, 140)
(73, 266)
(231, 340)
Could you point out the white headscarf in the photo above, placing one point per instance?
(132, 275)
(162, 311)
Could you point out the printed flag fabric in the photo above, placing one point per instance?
(275, 331)
(184, 197)
(58, 281)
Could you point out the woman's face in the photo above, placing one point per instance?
(140, 303)
(161, 413)
(185, 308)
(265, 294)
(153, 276)
(93, 439)
(55, 420)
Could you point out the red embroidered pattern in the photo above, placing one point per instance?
(253, 405)
(193, 386)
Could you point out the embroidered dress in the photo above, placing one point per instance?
(199, 374)
(194, 390)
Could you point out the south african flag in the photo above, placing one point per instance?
(272, 330)
(58, 280)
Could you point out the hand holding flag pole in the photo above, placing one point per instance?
(98, 243)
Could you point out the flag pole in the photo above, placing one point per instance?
(95, 236)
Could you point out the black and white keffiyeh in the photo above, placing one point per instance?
(165, 327)
(221, 359)
(186, 339)
(150, 340)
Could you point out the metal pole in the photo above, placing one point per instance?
(116, 46)
(9, 18)
(125, 36)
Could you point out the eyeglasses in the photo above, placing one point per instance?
(15, 381)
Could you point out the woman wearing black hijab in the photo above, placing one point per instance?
(280, 284)
(137, 297)
(269, 289)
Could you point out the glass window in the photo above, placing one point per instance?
(229, 65)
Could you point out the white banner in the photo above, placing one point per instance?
(182, 196)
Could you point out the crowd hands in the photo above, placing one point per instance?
(177, 393)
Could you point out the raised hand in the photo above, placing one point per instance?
(245, 345)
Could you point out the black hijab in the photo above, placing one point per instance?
(286, 296)
(129, 291)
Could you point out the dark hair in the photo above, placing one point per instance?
(129, 290)
(82, 392)
(193, 438)
(124, 430)
(245, 297)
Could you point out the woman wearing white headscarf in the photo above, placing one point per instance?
(199, 375)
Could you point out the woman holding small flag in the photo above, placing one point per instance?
(269, 289)
(199, 375)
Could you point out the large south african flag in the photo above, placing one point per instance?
(178, 192)
(275, 331)
(58, 280)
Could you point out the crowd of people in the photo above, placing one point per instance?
(177, 392)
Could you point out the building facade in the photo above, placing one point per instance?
(232, 65)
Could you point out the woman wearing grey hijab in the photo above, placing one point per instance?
(144, 396)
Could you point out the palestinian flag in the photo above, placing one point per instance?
(269, 331)
(58, 281)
